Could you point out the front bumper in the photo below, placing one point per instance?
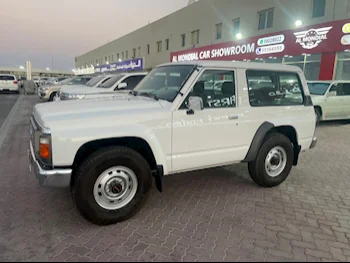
(314, 142)
(55, 178)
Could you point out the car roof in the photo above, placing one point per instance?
(237, 64)
(7, 75)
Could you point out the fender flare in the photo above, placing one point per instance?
(257, 141)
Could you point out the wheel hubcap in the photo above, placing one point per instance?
(115, 188)
(276, 161)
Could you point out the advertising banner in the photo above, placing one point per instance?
(134, 64)
(321, 38)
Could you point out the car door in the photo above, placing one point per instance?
(210, 136)
(334, 106)
(346, 100)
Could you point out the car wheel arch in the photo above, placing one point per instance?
(267, 128)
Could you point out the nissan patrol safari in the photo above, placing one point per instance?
(107, 152)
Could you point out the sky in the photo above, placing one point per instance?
(52, 32)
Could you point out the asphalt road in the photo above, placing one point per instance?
(7, 101)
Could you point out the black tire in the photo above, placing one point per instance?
(257, 168)
(88, 172)
(52, 96)
(318, 115)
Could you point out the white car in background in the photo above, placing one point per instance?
(121, 83)
(8, 83)
(331, 99)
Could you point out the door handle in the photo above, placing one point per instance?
(233, 117)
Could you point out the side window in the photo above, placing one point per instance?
(338, 88)
(76, 81)
(346, 89)
(216, 88)
(267, 88)
(133, 81)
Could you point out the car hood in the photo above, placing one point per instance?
(75, 89)
(317, 98)
(65, 113)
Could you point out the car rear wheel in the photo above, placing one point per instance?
(273, 162)
(111, 185)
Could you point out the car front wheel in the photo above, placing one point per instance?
(111, 185)
(273, 162)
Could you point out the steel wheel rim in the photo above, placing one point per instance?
(276, 161)
(115, 188)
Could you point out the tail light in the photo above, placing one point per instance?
(15, 82)
(45, 148)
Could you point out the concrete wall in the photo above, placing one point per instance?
(203, 16)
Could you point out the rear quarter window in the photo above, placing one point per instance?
(5, 77)
(273, 88)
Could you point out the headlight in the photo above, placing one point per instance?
(44, 88)
(76, 96)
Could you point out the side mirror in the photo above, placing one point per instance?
(332, 94)
(122, 85)
(195, 104)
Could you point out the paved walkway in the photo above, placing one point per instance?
(215, 215)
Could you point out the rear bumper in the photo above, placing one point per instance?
(56, 178)
(314, 142)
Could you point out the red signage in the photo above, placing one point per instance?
(321, 38)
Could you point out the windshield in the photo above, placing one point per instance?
(93, 82)
(64, 81)
(165, 82)
(109, 83)
(318, 88)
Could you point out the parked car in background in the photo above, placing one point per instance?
(49, 92)
(93, 83)
(331, 99)
(9, 83)
(109, 150)
(120, 83)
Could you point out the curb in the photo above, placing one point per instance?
(8, 121)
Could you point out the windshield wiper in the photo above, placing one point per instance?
(150, 95)
(133, 93)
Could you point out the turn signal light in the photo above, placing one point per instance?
(45, 148)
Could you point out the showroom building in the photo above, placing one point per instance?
(311, 34)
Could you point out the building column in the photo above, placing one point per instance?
(327, 66)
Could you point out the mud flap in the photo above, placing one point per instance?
(158, 176)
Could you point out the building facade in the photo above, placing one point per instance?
(18, 72)
(312, 34)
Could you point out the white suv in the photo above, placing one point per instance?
(107, 152)
(9, 83)
(331, 99)
(120, 83)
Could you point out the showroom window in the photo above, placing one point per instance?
(195, 37)
(310, 64)
(118, 57)
(236, 25)
(265, 19)
(183, 40)
(342, 71)
(219, 31)
(318, 8)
